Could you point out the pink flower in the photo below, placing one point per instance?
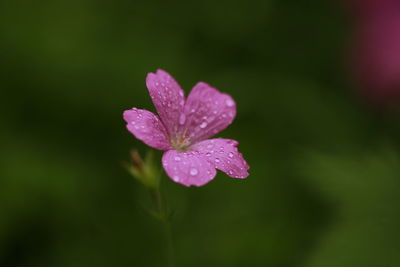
(182, 129)
(376, 49)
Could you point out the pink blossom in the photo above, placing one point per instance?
(183, 127)
(375, 48)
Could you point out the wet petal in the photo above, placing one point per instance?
(224, 155)
(207, 112)
(188, 168)
(146, 127)
(168, 98)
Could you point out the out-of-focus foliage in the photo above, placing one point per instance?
(324, 183)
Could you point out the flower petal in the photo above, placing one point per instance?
(207, 112)
(167, 97)
(188, 168)
(147, 127)
(224, 155)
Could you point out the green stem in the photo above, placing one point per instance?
(170, 244)
(161, 212)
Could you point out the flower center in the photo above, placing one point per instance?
(180, 143)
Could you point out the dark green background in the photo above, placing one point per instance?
(324, 184)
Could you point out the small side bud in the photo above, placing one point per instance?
(145, 171)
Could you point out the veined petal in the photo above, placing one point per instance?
(188, 168)
(147, 127)
(207, 112)
(168, 98)
(224, 155)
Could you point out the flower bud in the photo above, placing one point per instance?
(145, 171)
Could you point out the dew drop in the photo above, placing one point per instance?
(203, 125)
(182, 119)
(217, 160)
(208, 154)
(177, 158)
(229, 102)
(230, 155)
(193, 171)
(176, 178)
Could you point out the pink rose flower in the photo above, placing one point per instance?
(183, 127)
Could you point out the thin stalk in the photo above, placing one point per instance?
(162, 213)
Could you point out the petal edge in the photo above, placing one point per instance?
(147, 127)
(188, 168)
(225, 156)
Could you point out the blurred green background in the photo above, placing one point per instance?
(324, 184)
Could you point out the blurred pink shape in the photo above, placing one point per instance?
(375, 52)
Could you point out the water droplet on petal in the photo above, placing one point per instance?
(176, 178)
(182, 119)
(217, 160)
(229, 102)
(193, 171)
(230, 155)
(203, 125)
(208, 154)
(177, 158)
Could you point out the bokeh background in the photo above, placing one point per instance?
(325, 166)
